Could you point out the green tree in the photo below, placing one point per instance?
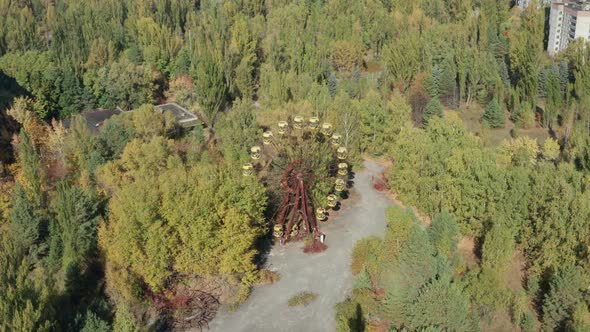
(210, 86)
(26, 222)
(550, 149)
(76, 215)
(434, 108)
(332, 84)
(444, 234)
(402, 60)
(443, 304)
(565, 293)
(494, 115)
(377, 123)
(23, 305)
(93, 323)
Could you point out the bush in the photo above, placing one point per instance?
(365, 254)
(267, 277)
(302, 299)
(314, 247)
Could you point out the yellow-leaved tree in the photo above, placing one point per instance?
(169, 217)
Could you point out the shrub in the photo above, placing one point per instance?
(302, 299)
(267, 277)
(365, 254)
(314, 247)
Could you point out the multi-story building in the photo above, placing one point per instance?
(568, 20)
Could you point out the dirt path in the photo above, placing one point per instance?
(326, 274)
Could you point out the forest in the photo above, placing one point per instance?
(487, 138)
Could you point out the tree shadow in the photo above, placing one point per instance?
(263, 245)
(357, 323)
(8, 126)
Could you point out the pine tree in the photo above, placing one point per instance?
(332, 84)
(434, 108)
(443, 304)
(210, 86)
(76, 215)
(494, 116)
(565, 293)
(444, 234)
(23, 306)
(32, 171)
(26, 222)
(362, 280)
(94, 324)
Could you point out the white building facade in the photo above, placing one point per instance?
(567, 21)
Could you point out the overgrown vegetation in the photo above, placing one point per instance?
(302, 299)
(101, 231)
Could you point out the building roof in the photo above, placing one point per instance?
(95, 119)
(183, 117)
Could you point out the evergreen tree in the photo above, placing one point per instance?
(444, 234)
(23, 306)
(434, 108)
(32, 179)
(565, 294)
(26, 222)
(76, 215)
(494, 115)
(332, 84)
(362, 280)
(93, 323)
(210, 86)
(443, 304)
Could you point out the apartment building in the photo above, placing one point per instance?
(568, 20)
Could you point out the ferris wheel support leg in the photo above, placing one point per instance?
(308, 217)
(304, 209)
(292, 219)
(283, 214)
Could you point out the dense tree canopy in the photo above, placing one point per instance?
(101, 227)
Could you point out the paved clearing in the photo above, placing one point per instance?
(326, 274)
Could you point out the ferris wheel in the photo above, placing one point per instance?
(307, 164)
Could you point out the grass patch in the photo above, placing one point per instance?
(302, 299)
(267, 277)
(493, 137)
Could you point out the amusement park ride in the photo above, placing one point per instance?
(303, 158)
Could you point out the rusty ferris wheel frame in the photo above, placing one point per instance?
(302, 152)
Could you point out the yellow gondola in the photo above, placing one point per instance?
(267, 137)
(278, 231)
(320, 214)
(283, 126)
(298, 122)
(255, 152)
(314, 123)
(343, 169)
(294, 230)
(340, 185)
(332, 200)
(336, 139)
(326, 128)
(342, 153)
(247, 169)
